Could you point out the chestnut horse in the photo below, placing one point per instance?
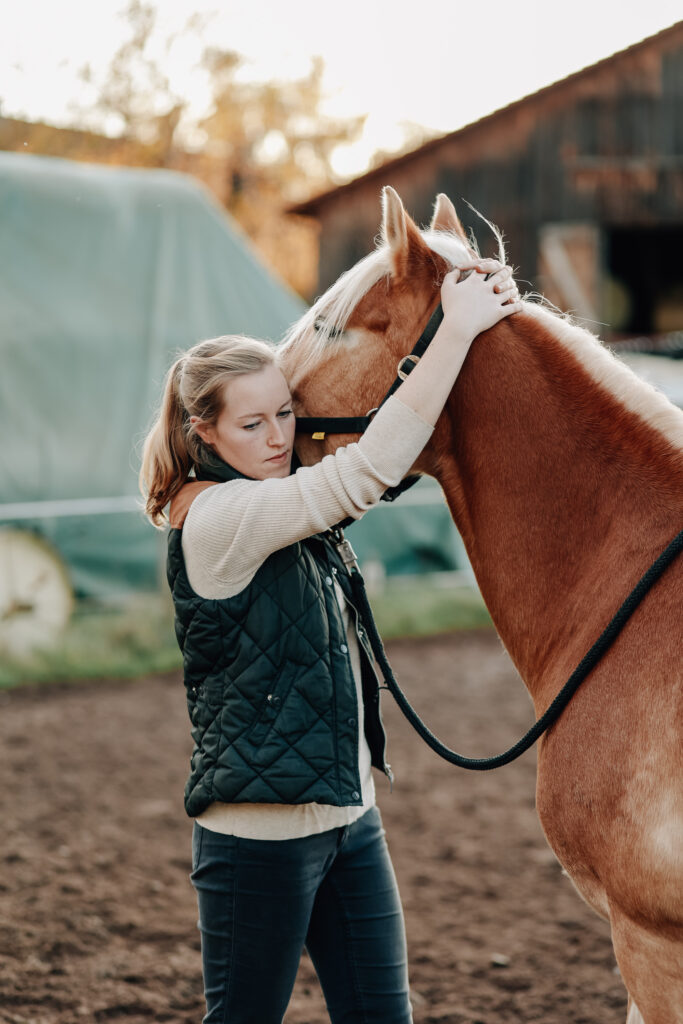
(564, 475)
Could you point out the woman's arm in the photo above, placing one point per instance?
(470, 306)
(232, 528)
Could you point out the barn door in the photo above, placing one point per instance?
(569, 268)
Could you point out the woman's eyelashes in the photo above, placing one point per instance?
(283, 414)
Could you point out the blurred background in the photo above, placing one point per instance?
(170, 171)
(173, 170)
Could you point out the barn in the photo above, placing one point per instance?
(584, 177)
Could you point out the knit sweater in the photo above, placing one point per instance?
(230, 530)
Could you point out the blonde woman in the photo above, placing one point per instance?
(288, 846)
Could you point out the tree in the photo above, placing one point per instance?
(266, 134)
(261, 146)
(272, 132)
(274, 147)
(135, 93)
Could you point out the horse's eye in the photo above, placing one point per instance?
(332, 332)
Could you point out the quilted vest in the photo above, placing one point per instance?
(269, 683)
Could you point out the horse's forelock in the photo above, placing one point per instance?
(450, 246)
(329, 315)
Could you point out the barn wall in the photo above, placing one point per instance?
(604, 149)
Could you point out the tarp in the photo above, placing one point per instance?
(105, 273)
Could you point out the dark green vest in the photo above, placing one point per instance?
(270, 688)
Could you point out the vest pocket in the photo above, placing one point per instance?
(271, 705)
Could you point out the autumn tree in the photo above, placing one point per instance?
(261, 145)
(274, 147)
(134, 95)
(272, 132)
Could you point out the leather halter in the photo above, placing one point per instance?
(319, 426)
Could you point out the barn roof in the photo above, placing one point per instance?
(567, 85)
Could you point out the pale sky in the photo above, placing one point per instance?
(434, 63)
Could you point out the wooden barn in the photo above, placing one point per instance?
(584, 177)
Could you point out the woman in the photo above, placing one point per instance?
(288, 846)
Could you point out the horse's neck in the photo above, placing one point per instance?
(562, 494)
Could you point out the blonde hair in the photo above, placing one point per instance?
(194, 386)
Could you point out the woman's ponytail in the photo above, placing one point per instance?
(166, 460)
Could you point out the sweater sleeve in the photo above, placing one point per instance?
(231, 528)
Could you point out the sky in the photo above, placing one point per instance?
(438, 64)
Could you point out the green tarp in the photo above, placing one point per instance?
(104, 274)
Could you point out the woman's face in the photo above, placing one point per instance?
(255, 431)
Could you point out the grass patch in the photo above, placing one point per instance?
(139, 639)
(423, 606)
(103, 644)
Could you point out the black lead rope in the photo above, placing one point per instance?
(558, 705)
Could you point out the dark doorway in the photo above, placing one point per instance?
(645, 268)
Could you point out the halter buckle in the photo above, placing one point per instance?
(400, 372)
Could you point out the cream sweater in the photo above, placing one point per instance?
(233, 527)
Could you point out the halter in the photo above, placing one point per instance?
(319, 426)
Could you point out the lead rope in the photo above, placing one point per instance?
(558, 705)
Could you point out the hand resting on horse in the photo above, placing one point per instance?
(470, 306)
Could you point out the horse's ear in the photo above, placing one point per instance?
(394, 220)
(399, 231)
(445, 218)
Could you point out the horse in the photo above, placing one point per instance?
(563, 473)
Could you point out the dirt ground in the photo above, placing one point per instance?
(97, 916)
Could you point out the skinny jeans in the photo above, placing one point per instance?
(262, 901)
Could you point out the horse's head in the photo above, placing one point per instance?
(342, 356)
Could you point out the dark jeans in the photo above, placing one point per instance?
(261, 901)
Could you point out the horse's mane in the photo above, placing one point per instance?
(610, 373)
(329, 314)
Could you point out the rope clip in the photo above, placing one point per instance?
(347, 555)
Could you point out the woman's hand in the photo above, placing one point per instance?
(474, 303)
(470, 305)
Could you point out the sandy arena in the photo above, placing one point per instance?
(97, 915)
